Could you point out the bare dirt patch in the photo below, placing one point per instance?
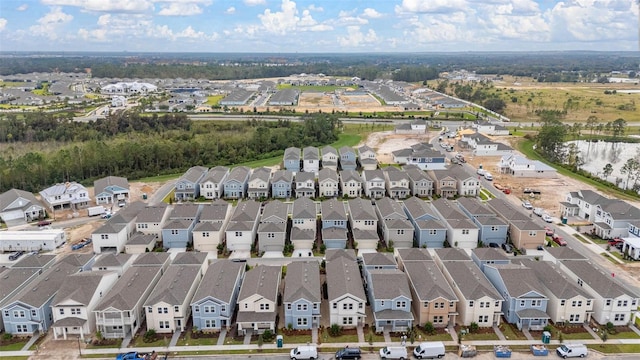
(317, 99)
(359, 100)
(386, 142)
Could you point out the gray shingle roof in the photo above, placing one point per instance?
(141, 239)
(184, 211)
(292, 153)
(262, 173)
(361, 209)
(128, 290)
(489, 254)
(216, 211)
(111, 260)
(519, 280)
(11, 279)
(604, 284)
(247, 210)
(470, 280)
(475, 207)
(302, 282)
(506, 210)
(373, 175)
(194, 174)
(428, 282)
(152, 214)
(275, 211)
(100, 184)
(239, 174)
(9, 196)
(359, 234)
(416, 174)
(220, 281)
(282, 175)
(390, 209)
(177, 224)
(262, 280)
(110, 228)
(310, 153)
(414, 254)
(302, 234)
(564, 253)
(389, 284)
(45, 286)
(349, 175)
(333, 254)
(305, 176)
(216, 174)
(334, 233)
(173, 287)
(333, 209)
(304, 208)
(553, 279)
(272, 227)
(190, 258)
(448, 210)
(37, 261)
(418, 208)
(378, 259)
(343, 277)
(79, 288)
(327, 174)
(449, 254)
(329, 150)
(151, 259)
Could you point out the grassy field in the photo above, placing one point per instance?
(189, 341)
(312, 88)
(13, 347)
(214, 100)
(617, 348)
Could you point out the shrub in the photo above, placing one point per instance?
(429, 328)
(473, 327)
(149, 336)
(260, 340)
(7, 336)
(335, 330)
(267, 335)
(547, 328)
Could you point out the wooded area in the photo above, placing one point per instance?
(156, 145)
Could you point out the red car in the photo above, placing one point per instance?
(548, 231)
(558, 240)
(615, 241)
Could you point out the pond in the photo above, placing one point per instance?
(598, 154)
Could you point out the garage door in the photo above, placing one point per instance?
(12, 215)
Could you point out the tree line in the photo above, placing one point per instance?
(135, 154)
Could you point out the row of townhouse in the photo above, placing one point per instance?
(610, 218)
(22, 205)
(311, 159)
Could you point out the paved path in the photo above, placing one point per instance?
(360, 331)
(175, 338)
(387, 336)
(591, 332)
(634, 329)
(222, 337)
(314, 335)
(31, 341)
(527, 334)
(501, 336)
(247, 338)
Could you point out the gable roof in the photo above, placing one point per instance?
(220, 281)
(44, 287)
(111, 260)
(193, 174)
(553, 279)
(518, 280)
(184, 211)
(373, 175)
(475, 207)
(190, 258)
(333, 209)
(151, 259)
(246, 210)
(79, 287)
(101, 184)
(564, 253)
(470, 280)
(390, 209)
(12, 278)
(604, 284)
(216, 174)
(448, 210)
(349, 175)
(275, 211)
(414, 254)
(128, 290)
(302, 282)
(329, 150)
(304, 176)
(389, 284)
(282, 175)
(9, 196)
(36, 261)
(452, 254)
(310, 153)
(378, 259)
(489, 253)
(152, 214)
(428, 281)
(262, 173)
(239, 174)
(418, 208)
(303, 208)
(343, 277)
(333, 254)
(292, 153)
(327, 174)
(173, 287)
(216, 211)
(361, 209)
(261, 280)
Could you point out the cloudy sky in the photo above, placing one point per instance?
(318, 25)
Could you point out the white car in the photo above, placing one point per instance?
(547, 218)
(480, 172)
(527, 205)
(538, 211)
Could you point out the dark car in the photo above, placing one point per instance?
(494, 245)
(507, 248)
(16, 255)
(44, 223)
(348, 353)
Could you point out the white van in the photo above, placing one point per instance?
(393, 352)
(304, 352)
(572, 350)
(429, 350)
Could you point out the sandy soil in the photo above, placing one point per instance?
(317, 99)
(386, 142)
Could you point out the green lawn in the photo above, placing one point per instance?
(13, 347)
(189, 341)
(160, 178)
(608, 257)
(163, 341)
(581, 238)
(470, 337)
(422, 336)
(624, 335)
(617, 348)
(575, 336)
(619, 256)
(326, 338)
(511, 332)
(312, 88)
(233, 341)
(170, 196)
(296, 339)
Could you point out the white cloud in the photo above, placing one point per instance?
(430, 6)
(180, 9)
(287, 20)
(22, 7)
(348, 18)
(371, 13)
(356, 38)
(230, 10)
(48, 25)
(313, 7)
(131, 6)
(255, 2)
(3, 24)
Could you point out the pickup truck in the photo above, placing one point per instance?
(558, 240)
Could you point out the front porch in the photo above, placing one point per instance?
(70, 326)
(532, 319)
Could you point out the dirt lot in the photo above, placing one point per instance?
(315, 99)
(386, 142)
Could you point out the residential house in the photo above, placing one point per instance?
(523, 231)
(20, 205)
(401, 156)
(209, 232)
(433, 300)
(292, 159)
(329, 158)
(444, 184)
(525, 303)
(259, 183)
(272, 231)
(374, 183)
(425, 157)
(390, 299)
(334, 224)
(367, 158)
(365, 240)
(212, 184)
(492, 229)
(12, 281)
(188, 185)
(376, 261)
(192, 258)
(450, 254)
(302, 297)
(489, 128)
(568, 303)
(420, 184)
(303, 231)
(351, 183)
(258, 300)
(70, 195)
(168, 306)
(235, 186)
(345, 292)
(478, 300)
(282, 184)
(128, 216)
(559, 253)
(72, 306)
(428, 230)
(404, 256)
(110, 237)
(151, 219)
(583, 204)
(393, 224)
(305, 184)
(328, 183)
(397, 182)
(120, 312)
(347, 158)
(311, 160)
(140, 243)
(613, 302)
(29, 310)
(487, 256)
(117, 263)
(483, 146)
(521, 167)
(111, 190)
(612, 220)
(243, 226)
(362, 215)
(467, 185)
(334, 238)
(153, 259)
(177, 232)
(461, 232)
(214, 302)
(82, 262)
(34, 261)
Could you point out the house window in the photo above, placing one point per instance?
(433, 232)
(205, 234)
(533, 233)
(465, 231)
(302, 307)
(75, 311)
(622, 303)
(335, 305)
(315, 306)
(104, 237)
(425, 304)
(6, 313)
(35, 313)
(400, 231)
(164, 325)
(159, 310)
(61, 312)
(21, 328)
(209, 323)
(264, 306)
(360, 305)
(401, 304)
(271, 235)
(562, 302)
(347, 321)
(618, 317)
(608, 302)
(288, 306)
(347, 306)
(174, 232)
(471, 303)
(238, 233)
(579, 282)
(575, 303)
(483, 319)
(438, 319)
(368, 222)
(537, 302)
(589, 303)
(176, 309)
(223, 308)
(302, 321)
(574, 317)
(497, 303)
(522, 302)
(494, 228)
(195, 309)
(298, 221)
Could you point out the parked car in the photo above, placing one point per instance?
(488, 176)
(614, 241)
(527, 205)
(16, 255)
(494, 245)
(456, 161)
(538, 211)
(531, 191)
(393, 352)
(348, 353)
(480, 172)
(44, 223)
(548, 231)
(558, 240)
(547, 218)
(78, 246)
(106, 215)
(507, 248)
